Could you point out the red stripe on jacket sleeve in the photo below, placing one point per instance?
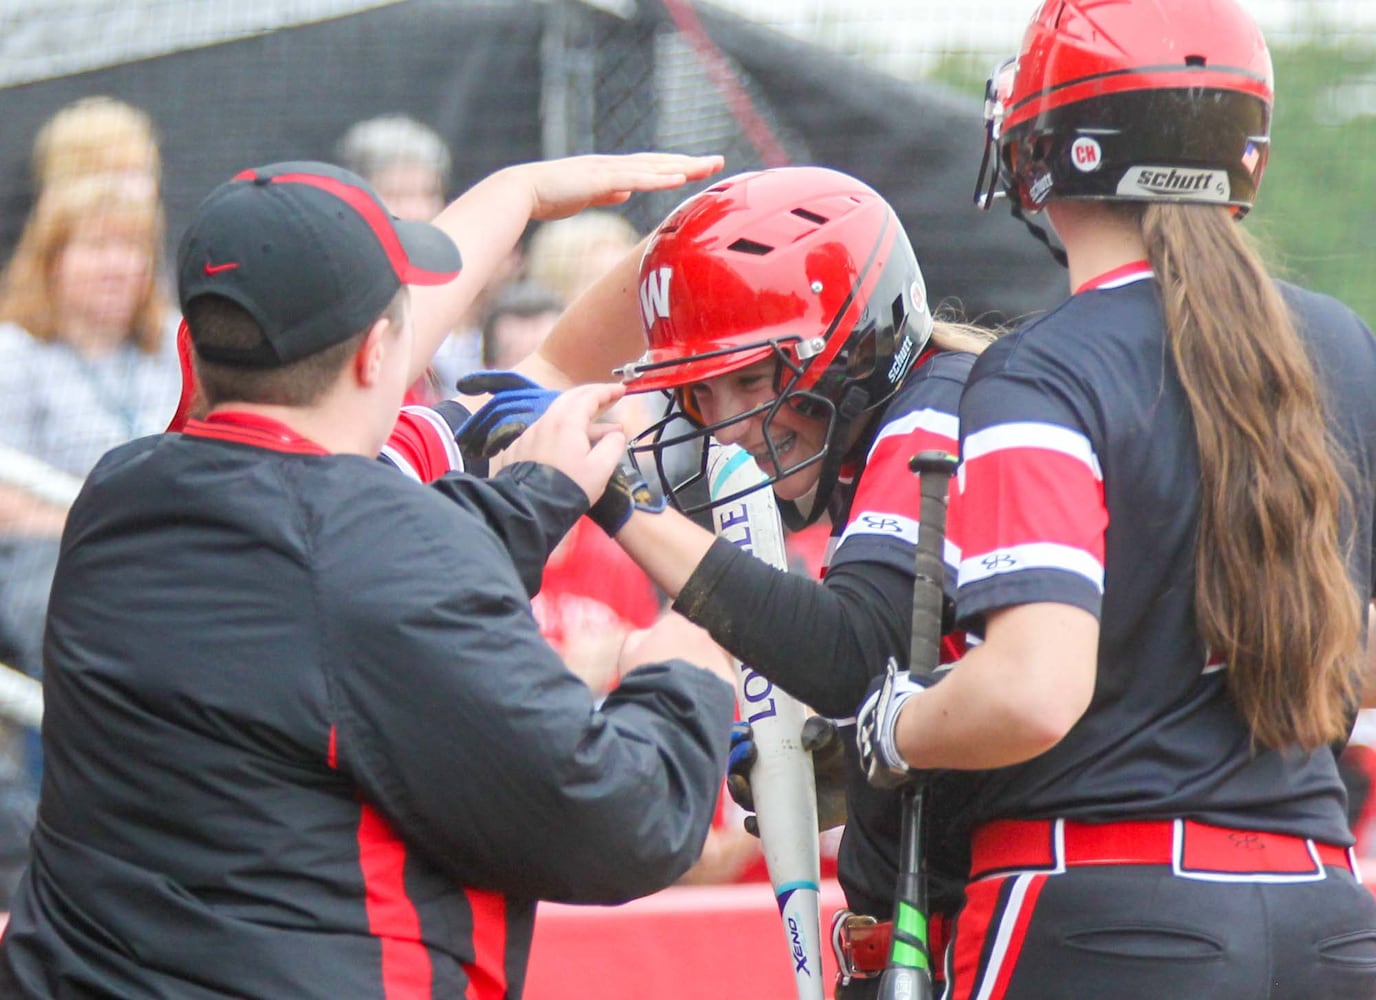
(392, 917)
(487, 973)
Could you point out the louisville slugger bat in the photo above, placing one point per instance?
(781, 779)
(908, 974)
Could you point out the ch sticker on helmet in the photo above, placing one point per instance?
(1086, 154)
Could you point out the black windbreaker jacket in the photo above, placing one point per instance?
(303, 738)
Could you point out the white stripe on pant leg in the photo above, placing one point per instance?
(1008, 921)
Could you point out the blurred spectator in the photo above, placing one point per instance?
(87, 356)
(567, 255)
(591, 595)
(98, 135)
(87, 362)
(516, 321)
(408, 164)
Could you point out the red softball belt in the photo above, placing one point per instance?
(1192, 849)
(862, 944)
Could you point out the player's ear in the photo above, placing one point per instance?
(368, 361)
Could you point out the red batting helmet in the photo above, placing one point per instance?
(1131, 100)
(806, 264)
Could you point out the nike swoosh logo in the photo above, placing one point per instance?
(213, 269)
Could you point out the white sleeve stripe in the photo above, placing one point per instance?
(394, 456)
(1029, 434)
(1034, 555)
(877, 523)
(938, 422)
(443, 430)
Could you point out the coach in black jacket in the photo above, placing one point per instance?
(303, 738)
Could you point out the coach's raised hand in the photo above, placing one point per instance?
(487, 221)
(560, 188)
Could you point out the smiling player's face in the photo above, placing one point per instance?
(795, 437)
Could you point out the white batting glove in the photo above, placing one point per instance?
(875, 724)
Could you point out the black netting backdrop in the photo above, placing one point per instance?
(876, 91)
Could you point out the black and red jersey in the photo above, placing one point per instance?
(825, 644)
(303, 738)
(1080, 484)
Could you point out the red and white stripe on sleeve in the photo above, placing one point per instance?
(887, 498)
(1029, 496)
(422, 445)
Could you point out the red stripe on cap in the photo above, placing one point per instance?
(392, 917)
(378, 221)
(487, 972)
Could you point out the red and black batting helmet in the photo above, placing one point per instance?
(805, 264)
(1131, 100)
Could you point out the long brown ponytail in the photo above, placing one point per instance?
(1273, 594)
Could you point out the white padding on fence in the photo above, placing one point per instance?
(21, 698)
(20, 469)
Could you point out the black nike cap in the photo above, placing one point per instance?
(310, 252)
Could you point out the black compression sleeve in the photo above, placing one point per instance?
(820, 642)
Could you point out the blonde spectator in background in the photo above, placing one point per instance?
(568, 255)
(86, 353)
(87, 362)
(98, 135)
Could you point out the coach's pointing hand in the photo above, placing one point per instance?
(569, 438)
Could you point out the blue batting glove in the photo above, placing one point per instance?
(876, 722)
(739, 760)
(516, 403)
(819, 737)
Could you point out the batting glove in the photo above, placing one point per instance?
(516, 403)
(876, 723)
(822, 739)
(626, 492)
